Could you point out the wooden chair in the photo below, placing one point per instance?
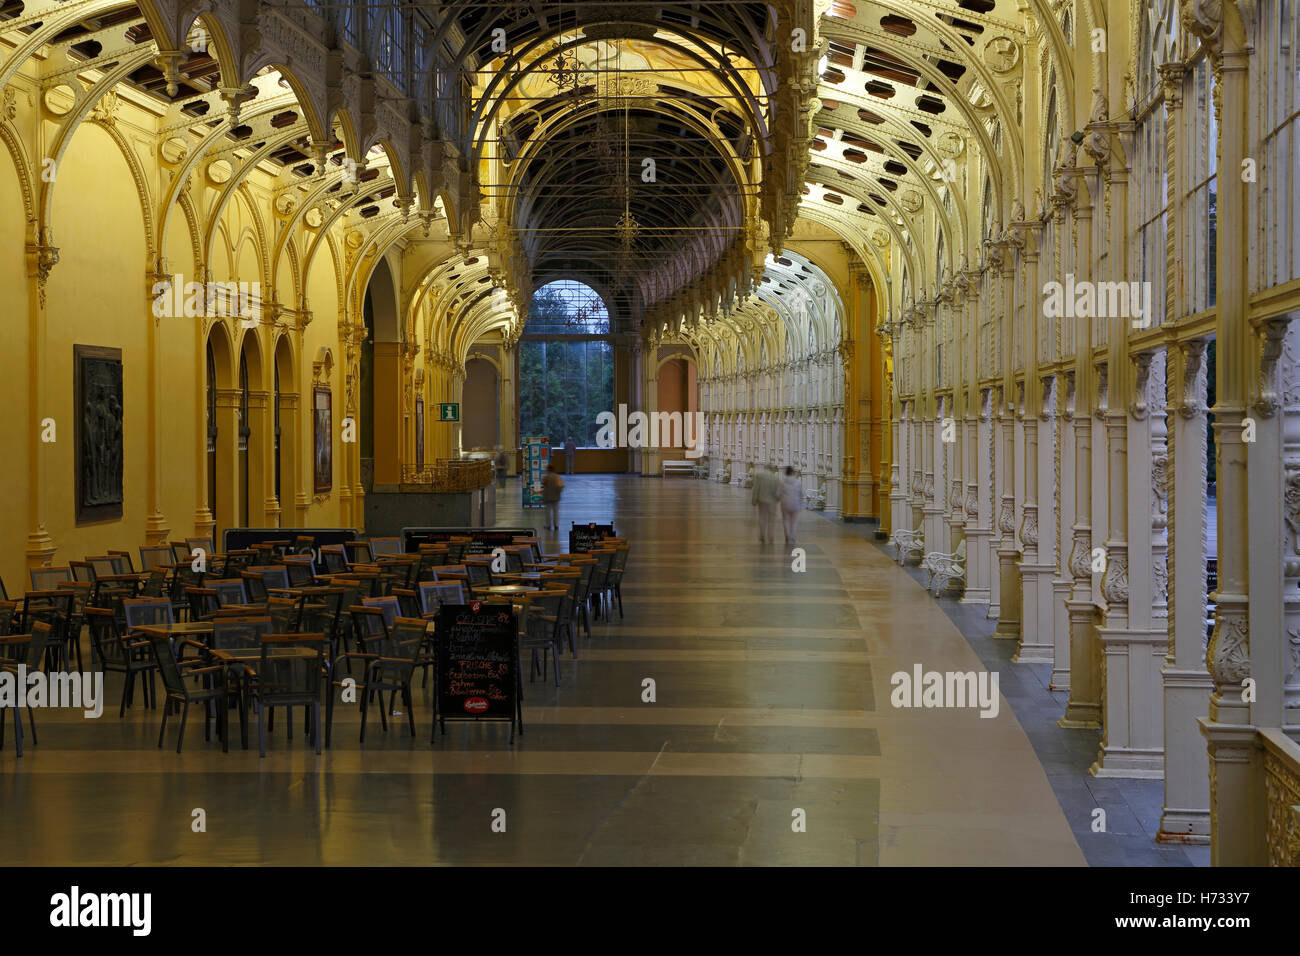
(124, 654)
(35, 647)
(282, 681)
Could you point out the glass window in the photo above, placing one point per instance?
(566, 366)
(1278, 192)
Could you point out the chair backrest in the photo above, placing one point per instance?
(299, 569)
(142, 611)
(43, 634)
(53, 607)
(4, 593)
(399, 650)
(327, 613)
(545, 611)
(180, 552)
(380, 546)
(165, 656)
(156, 584)
(44, 579)
(390, 605)
(203, 543)
(456, 548)
(158, 556)
(284, 613)
(532, 544)
(105, 636)
(8, 613)
(82, 570)
(122, 562)
(359, 552)
(516, 555)
(103, 566)
(479, 570)
(203, 601)
(229, 591)
(620, 558)
(229, 633)
(334, 558)
(276, 576)
(237, 561)
(449, 571)
(434, 594)
(408, 602)
(296, 678)
(254, 584)
(368, 622)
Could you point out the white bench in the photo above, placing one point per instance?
(679, 466)
(944, 568)
(908, 542)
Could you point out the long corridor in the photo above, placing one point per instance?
(771, 697)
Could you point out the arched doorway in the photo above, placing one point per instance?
(381, 381)
(222, 419)
(677, 395)
(480, 406)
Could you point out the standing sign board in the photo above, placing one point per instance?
(483, 540)
(478, 665)
(584, 537)
(537, 457)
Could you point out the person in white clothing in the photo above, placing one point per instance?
(791, 502)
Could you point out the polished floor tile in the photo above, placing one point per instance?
(771, 739)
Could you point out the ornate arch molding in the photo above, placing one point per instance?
(23, 169)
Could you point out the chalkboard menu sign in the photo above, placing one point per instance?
(483, 540)
(477, 665)
(584, 537)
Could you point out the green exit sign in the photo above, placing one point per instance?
(449, 412)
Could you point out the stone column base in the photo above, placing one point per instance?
(1060, 679)
(977, 572)
(1036, 615)
(40, 548)
(1009, 590)
(1133, 745)
(1083, 711)
(1237, 825)
(1186, 816)
(156, 529)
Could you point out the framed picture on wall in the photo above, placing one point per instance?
(323, 438)
(97, 431)
(419, 432)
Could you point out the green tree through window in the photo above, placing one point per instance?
(566, 366)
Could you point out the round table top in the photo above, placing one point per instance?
(509, 589)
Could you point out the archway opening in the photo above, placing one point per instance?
(566, 364)
(480, 425)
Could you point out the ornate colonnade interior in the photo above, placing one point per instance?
(846, 218)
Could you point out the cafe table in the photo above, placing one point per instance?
(506, 589)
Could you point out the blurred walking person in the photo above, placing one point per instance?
(552, 487)
(767, 495)
(500, 463)
(791, 503)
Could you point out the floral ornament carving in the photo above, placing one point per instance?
(1291, 513)
(1007, 517)
(1081, 555)
(1160, 580)
(1159, 492)
(1228, 655)
(1097, 143)
(1114, 584)
(1029, 528)
(1272, 335)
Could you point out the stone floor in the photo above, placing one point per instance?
(772, 697)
